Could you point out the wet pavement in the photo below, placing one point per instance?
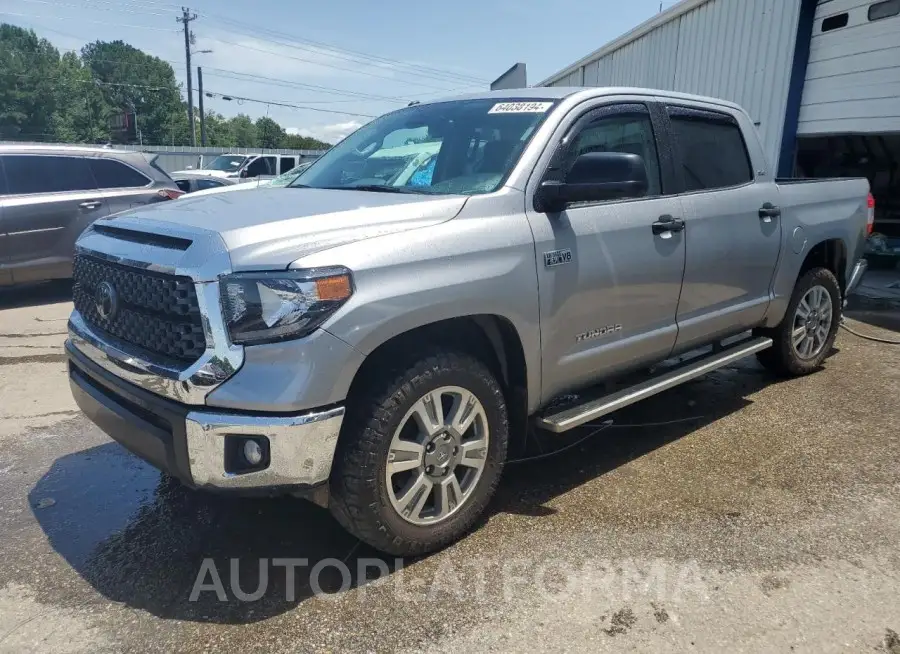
(736, 513)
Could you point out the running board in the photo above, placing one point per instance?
(570, 417)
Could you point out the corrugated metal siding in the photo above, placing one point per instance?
(738, 50)
(853, 79)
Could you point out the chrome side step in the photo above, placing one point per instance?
(574, 416)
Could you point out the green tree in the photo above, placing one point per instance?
(244, 131)
(218, 131)
(79, 116)
(297, 142)
(269, 134)
(29, 73)
(132, 81)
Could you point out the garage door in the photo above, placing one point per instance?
(853, 78)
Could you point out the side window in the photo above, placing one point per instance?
(630, 132)
(114, 174)
(710, 149)
(3, 190)
(203, 184)
(184, 185)
(28, 174)
(260, 166)
(286, 164)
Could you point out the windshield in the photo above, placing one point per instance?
(461, 147)
(228, 163)
(286, 178)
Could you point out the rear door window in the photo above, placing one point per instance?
(286, 164)
(110, 173)
(29, 174)
(710, 148)
(261, 166)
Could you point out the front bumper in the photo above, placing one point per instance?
(859, 270)
(191, 443)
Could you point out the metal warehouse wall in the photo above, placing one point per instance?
(853, 77)
(739, 50)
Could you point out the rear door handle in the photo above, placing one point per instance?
(667, 223)
(769, 211)
(90, 205)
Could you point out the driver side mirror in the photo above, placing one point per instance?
(594, 177)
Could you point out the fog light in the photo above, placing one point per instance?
(253, 453)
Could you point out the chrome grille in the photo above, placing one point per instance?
(152, 311)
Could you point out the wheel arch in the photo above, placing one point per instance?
(492, 338)
(830, 254)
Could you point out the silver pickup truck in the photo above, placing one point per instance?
(380, 342)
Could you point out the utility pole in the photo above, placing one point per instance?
(202, 113)
(186, 18)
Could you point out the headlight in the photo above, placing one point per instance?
(268, 307)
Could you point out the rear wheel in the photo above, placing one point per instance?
(806, 334)
(421, 456)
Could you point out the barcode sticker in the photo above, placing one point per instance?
(520, 107)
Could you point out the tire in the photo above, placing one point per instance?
(369, 503)
(786, 359)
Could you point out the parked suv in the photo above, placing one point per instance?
(50, 194)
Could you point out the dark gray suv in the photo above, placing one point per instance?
(50, 194)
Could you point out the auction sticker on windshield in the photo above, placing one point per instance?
(520, 107)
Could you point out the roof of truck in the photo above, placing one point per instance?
(560, 92)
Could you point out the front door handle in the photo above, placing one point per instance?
(90, 205)
(667, 223)
(769, 211)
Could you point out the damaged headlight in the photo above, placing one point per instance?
(267, 307)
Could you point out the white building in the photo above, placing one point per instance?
(820, 77)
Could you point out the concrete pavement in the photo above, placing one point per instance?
(747, 514)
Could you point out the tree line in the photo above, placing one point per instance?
(86, 97)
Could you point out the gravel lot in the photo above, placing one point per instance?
(763, 516)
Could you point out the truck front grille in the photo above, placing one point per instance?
(152, 311)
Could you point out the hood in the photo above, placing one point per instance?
(203, 171)
(273, 227)
(241, 186)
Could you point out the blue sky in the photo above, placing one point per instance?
(423, 49)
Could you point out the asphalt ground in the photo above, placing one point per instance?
(736, 513)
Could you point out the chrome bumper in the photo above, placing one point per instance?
(199, 446)
(301, 448)
(859, 270)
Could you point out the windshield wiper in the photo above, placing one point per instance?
(374, 188)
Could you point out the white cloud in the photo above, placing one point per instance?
(329, 133)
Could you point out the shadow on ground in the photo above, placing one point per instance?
(32, 295)
(140, 538)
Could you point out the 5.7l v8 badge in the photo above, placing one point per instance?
(557, 257)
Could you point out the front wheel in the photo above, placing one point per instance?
(421, 454)
(806, 334)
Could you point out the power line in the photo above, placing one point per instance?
(352, 55)
(241, 99)
(60, 4)
(85, 20)
(332, 50)
(259, 79)
(137, 7)
(326, 65)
